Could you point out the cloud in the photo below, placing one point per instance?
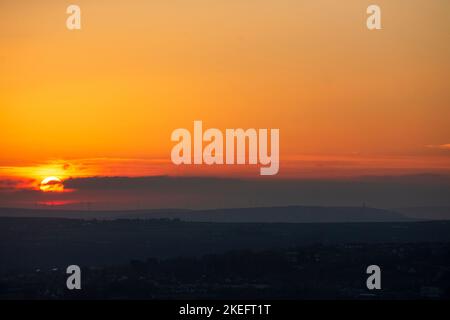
(66, 166)
(9, 185)
(445, 146)
(99, 193)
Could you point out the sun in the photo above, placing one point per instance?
(51, 184)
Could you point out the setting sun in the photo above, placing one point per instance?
(51, 184)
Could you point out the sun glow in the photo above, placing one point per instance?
(51, 184)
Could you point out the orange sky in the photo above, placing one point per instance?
(138, 70)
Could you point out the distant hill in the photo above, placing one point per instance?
(290, 214)
(426, 213)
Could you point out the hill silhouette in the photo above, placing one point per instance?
(289, 214)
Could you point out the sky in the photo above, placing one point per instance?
(102, 101)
